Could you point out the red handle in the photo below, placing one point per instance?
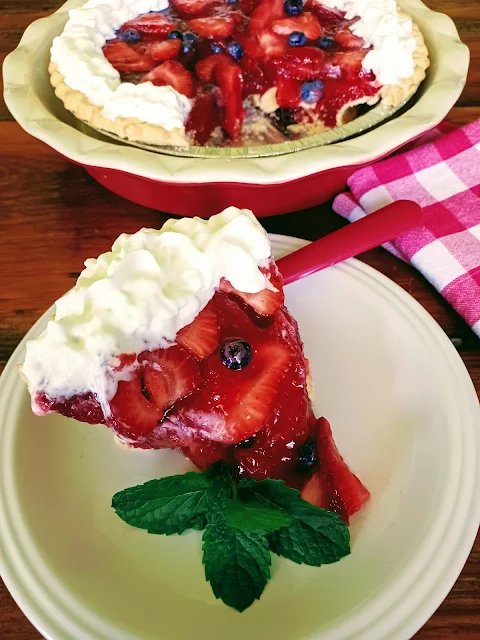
(364, 234)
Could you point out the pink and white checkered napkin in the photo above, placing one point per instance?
(443, 177)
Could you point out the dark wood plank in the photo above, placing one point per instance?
(54, 215)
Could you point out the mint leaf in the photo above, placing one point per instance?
(253, 516)
(237, 563)
(314, 536)
(173, 504)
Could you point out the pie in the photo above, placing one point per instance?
(157, 344)
(233, 72)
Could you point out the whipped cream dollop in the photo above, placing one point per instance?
(138, 296)
(78, 54)
(382, 28)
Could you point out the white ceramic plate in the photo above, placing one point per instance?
(406, 417)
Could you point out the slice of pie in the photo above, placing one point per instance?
(233, 72)
(180, 339)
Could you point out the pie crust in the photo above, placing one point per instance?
(135, 130)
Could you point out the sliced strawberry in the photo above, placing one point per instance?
(326, 15)
(165, 50)
(234, 405)
(206, 68)
(131, 411)
(247, 6)
(84, 407)
(271, 43)
(265, 302)
(204, 118)
(230, 80)
(336, 488)
(288, 92)
(169, 375)
(201, 336)
(192, 7)
(315, 491)
(213, 27)
(154, 24)
(349, 62)
(302, 63)
(124, 57)
(307, 23)
(254, 79)
(264, 13)
(346, 39)
(174, 74)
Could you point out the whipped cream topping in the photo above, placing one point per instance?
(138, 296)
(382, 28)
(78, 54)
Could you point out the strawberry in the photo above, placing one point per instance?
(152, 24)
(131, 411)
(264, 13)
(203, 119)
(165, 50)
(346, 39)
(230, 81)
(174, 74)
(307, 23)
(288, 92)
(326, 15)
(265, 302)
(192, 7)
(350, 62)
(301, 63)
(206, 68)
(84, 407)
(213, 27)
(271, 43)
(247, 6)
(234, 405)
(201, 336)
(169, 375)
(123, 57)
(254, 80)
(315, 491)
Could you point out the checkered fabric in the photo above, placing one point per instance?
(442, 174)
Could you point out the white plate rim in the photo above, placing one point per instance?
(394, 619)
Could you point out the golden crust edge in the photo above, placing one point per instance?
(131, 129)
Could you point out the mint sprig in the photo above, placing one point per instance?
(242, 521)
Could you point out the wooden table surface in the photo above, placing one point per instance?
(53, 216)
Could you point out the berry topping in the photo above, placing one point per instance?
(307, 456)
(235, 49)
(236, 354)
(174, 74)
(265, 302)
(312, 92)
(325, 42)
(215, 27)
(246, 444)
(131, 35)
(307, 24)
(302, 63)
(123, 57)
(175, 35)
(297, 39)
(153, 24)
(165, 50)
(169, 375)
(293, 7)
(201, 336)
(288, 92)
(346, 39)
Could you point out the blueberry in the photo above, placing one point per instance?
(312, 92)
(325, 42)
(307, 456)
(189, 38)
(216, 48)
(175, 35)
(293, 7)
(232, 1)
(131, 35)
(246, 444)
(297, 39)
(235, 50)
(235, 354)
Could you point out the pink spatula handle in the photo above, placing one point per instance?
(364, 234)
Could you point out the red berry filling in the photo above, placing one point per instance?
(220, 54)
